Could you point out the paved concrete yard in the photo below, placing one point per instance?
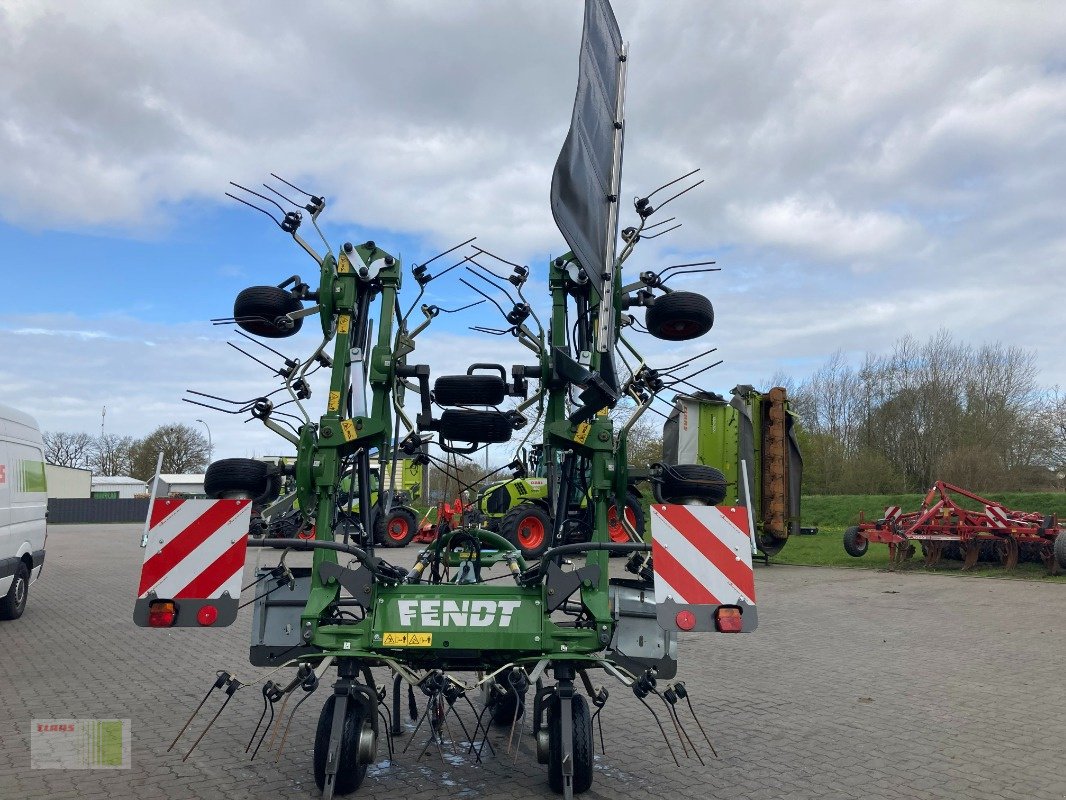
(857, 685)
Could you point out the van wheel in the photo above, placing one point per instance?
(14, 603)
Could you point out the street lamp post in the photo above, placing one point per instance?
(210, 447)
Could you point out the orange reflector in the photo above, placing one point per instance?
(727, 619)
(685, 620)
(207, 615)
(162, 613)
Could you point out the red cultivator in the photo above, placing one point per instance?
(943, 527)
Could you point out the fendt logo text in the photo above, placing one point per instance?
(472, 613)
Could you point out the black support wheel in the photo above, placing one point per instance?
(262, 310)
(855, 544)
(396, 529)
(476, 427)
(241, 477)
(584, 750)
(529, 528)
(14, 602)
(690, 483)
(350, 772)
(1060, 549)
(469, 390)
(679, 316)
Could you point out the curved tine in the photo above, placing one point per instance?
(673, 267)
(256, 360)
(663, 233)
(253, 205)
(266, 730)
(283, 197)
(665, 370)
(450, 250)
(261, 344)
(461, 308)
(285, 733)
(261, 196)
(683, 191)
(465, 282)
(453, 266)
(671, 183)
(224, 399)
(657, 224)
(661, 729)
(493, 255)
(699, 371)
(213, 408)
(489, 281)
(293, 186)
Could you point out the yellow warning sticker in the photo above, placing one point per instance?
(334, 401)
(603, 412)
(343, 264)
(349, 431)
(582, 432)
(405, 639)
(344, 323)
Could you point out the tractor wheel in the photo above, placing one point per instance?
(397, 529)
(261, 310)
(1060, 549)
(690, 483)
(14, 602)
(634, 515)
(469, 390)
(481, 427)
(584, 749)
(350, 772)
(529, 528)
(855, 543)
(242, 478)
(679, 316)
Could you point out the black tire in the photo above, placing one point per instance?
(1060, 549)
(476, 427)
(529, 528)
(679, 316)
(350, 772)
(584, 751)
(241, 476)
(14, 602)
(682, 483)
(504, 705)
(397, 529)
(469, 390)
(855, 544)
(261, 311)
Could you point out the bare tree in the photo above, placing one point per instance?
(111, 454)
(68, 449)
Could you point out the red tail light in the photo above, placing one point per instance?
(162, 613)
(728, 619)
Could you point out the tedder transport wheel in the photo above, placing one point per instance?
(529, 528)
(584, 750)
(398, 528)
(350, 772)
(634, 515)
(1060, 549)
(679, 316)
(261, 310)
(690, 483)
(855, 543)
(241, 477)
(484, 427)
(469, 390)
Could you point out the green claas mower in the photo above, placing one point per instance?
(468, 618)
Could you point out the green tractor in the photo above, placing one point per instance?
(520, 509)
(750, 440)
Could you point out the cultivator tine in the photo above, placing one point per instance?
(933, 553)
(1009, 553)
(971, 552)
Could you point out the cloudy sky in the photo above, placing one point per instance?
(871, 170)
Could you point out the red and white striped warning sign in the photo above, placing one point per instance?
(998, 516)
(892, 512)
(701, 556)
(195, 555)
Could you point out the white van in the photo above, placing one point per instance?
(23, 505)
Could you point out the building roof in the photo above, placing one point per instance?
(173, 477)
(116, 479)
